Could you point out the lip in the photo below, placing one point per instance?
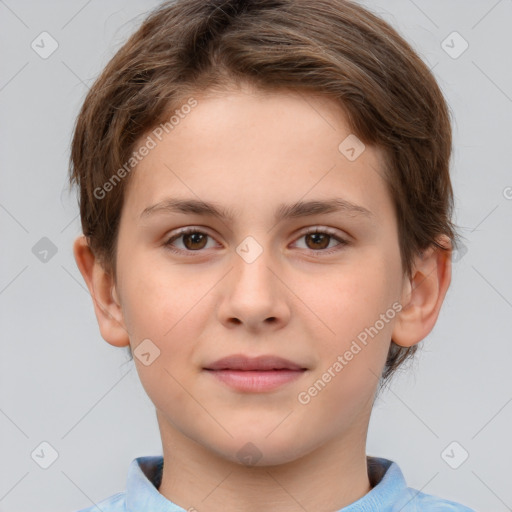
(261, 363)
(255, 374)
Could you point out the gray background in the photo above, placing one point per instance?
(60, 382)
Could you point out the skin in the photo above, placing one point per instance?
(250, 151)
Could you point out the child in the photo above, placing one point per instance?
(266, 207)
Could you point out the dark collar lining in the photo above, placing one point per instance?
(377, 468)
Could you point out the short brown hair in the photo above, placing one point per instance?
(332, 47)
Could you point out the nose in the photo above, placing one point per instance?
(254, 295)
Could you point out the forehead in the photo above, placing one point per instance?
(247, 149)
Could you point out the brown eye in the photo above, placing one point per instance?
(318, 240)
(191, 240)
(194, 241)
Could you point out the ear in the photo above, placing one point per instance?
(423, 294)
(103, 292)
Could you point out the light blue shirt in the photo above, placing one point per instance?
(389, 493)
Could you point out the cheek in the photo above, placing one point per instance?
(354, 297)
(357, 306)
(167, 306)
(158, 299)
(160, 305)
(350, 360)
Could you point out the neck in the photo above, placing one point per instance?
(326, 479)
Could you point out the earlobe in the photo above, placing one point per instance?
(102, 290)
(423, 295)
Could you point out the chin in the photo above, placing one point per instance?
(258, 449)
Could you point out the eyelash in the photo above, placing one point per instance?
(314, 230)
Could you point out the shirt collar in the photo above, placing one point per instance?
(145, 475)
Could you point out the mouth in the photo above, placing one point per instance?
(259, 374)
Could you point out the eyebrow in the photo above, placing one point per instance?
(284, 211)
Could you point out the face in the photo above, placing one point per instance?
(306, 284)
